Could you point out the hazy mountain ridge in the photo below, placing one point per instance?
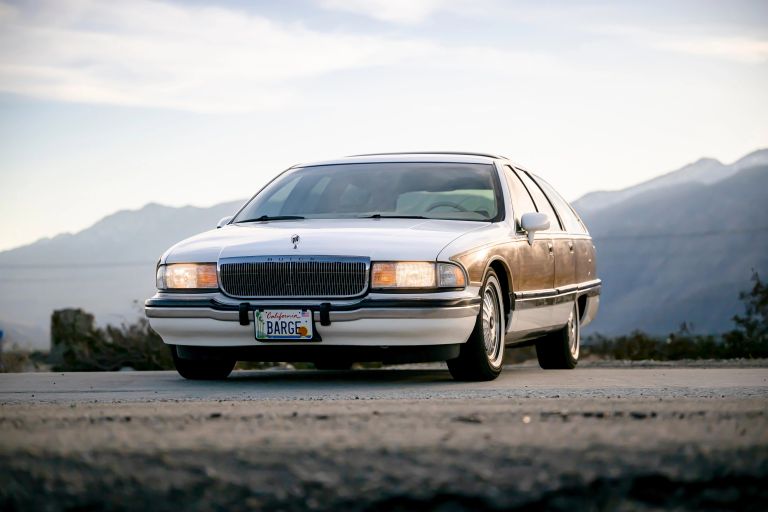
(107, 269)
(703, 171)
(124, 236)
(681, 253)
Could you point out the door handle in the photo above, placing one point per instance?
(551, 248)
(570, 246)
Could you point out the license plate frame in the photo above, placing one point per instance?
(283, 324)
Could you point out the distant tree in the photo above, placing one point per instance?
(750, 338)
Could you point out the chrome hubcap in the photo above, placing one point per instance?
(573, 333)
(491, 322)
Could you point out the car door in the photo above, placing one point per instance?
(564, 244)
(533, 268)
(532, 264)
(559, 242)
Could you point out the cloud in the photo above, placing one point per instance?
(148, 53)
(395, 11)
(737, 48)
(144, 53)
(740, 49)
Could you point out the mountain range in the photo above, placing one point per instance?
(704, 171)
(677, 248)
(681, 247)
(128, 236)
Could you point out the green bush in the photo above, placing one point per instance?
(77, 345)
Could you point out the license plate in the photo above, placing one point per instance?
(283, 324)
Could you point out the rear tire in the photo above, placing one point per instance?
(560, 350)
(202, 369)
(481, 357)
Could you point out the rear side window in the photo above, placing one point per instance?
(521, 199)
(542, 203)
(572, 222)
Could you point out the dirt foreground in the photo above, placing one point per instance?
(682, 449)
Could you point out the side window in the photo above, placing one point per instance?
(542, 203)
(521, 199)
(570, 219)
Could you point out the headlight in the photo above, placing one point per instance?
(181, 276)
(416, 274)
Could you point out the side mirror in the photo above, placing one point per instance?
(224, 221)
(533, 222)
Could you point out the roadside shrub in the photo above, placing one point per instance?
(639, 346)
(15, 360)
(77, 345)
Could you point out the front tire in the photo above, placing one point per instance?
(560, 350)
(202, 369)
(481, 357)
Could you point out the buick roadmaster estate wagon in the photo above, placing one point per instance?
(397, 257)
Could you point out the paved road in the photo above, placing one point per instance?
(515, 382)
(406, 439)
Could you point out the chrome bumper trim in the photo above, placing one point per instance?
(335, 316)
(360, 314)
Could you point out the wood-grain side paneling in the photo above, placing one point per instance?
(586, 265)
(531, 267)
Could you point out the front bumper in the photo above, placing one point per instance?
(371, 322)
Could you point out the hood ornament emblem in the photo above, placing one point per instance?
(295, 241)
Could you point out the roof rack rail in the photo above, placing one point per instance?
(468, 153)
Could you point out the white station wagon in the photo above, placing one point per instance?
(397, 257)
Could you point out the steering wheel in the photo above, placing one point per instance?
(449, 204)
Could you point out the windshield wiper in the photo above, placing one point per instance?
(395, 216)
(264, 218)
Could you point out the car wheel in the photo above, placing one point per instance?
(202, 369)
(481, 357)
(560, 350)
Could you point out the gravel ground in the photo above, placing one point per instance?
(569, 440)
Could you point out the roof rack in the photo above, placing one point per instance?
(468, 153)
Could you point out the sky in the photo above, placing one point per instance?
(109, 105)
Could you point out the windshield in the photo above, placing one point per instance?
(429, 190)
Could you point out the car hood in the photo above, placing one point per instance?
(378, 239)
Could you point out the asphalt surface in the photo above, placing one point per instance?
(515, 382)
(390, 439)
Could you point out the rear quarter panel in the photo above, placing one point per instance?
(586, 264)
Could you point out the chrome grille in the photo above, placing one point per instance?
(294, 276)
